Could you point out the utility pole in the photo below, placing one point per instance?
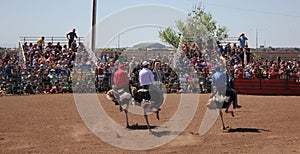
(256, 44)
(119, 41)
(94, 24)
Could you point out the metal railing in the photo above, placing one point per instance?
(53, 40)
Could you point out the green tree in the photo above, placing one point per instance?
(200, 24)
(170, 36)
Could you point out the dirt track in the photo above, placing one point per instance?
(51, 124)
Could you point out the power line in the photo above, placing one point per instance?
(253, 10)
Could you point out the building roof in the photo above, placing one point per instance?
(150, 45)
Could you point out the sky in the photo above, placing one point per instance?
(269, 23)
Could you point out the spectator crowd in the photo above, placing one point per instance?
(56, 68)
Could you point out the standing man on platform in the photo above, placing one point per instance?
(71, 37)
(41, 43)
(242, 39)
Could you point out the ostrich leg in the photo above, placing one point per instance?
(157, 114)
(126, 113)
(221, 116)
(227, 111)
(147, 121)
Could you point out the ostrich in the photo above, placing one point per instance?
(220, 102)
(150, 101)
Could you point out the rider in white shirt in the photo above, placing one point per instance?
(146, 76)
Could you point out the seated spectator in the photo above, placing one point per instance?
(247, 73)
(273, 73)
(4, 87)
(49, 46)
(175, 88)
(238, 72)
(28, 88)
(281, 73)
(58, 69)
(264, 73)
(54, 88)
(58, 46)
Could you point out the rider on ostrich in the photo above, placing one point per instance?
(146, 76)
(121, 82)
(121, 79)
(219, 81)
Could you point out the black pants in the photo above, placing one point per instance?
(146, 86)
(232, 93)
(70, 43)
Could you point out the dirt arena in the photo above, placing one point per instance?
(52, 124)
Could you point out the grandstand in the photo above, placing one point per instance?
(31, 71)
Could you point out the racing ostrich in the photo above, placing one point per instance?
(150, 100)
(220, 102)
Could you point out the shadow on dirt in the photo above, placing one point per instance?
(154, 132)
(140, 127)
(247, 130)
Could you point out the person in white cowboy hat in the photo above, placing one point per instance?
(146, 77)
